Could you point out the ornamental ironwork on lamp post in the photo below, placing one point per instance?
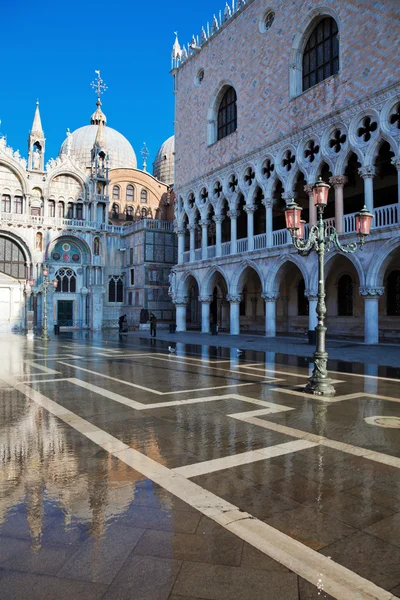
(44, 287)
(322, 237)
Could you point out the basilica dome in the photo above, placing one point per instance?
(79, 144)
(164, 162)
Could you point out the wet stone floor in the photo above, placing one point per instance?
(130, 473)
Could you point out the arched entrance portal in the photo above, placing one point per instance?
(389, 302)
(292, 307)
(193, 317)
(14, 262)
(251, 308)
(344, 305)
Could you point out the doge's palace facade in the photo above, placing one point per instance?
(270, 97)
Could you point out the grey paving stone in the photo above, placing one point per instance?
(19, 554)
(387, 529)
(253, 558)
(15, 585)
(308, 591)
(100, 560)
(216, 582)
(164, 520)
(145, 578)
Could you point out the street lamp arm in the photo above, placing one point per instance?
(332, 238)
(303, 246)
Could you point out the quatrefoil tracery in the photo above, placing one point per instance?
(268, 168)
(337, 141)
(367, 128)
(288, 160)
(311, 151)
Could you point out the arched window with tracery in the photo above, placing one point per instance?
(345, 297)
(227, 114)
(12, 260)
(302, 301)
(66, 281)
(115, 211)
(321, 54)
(116, 289)
(393, 294)
(130, 193)
(116, 192)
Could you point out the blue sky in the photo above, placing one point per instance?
(51, 49)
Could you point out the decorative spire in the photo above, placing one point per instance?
(37, 129)
(99, 87)
(145, 154)
(100, 141)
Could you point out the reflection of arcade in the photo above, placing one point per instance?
(216, 308)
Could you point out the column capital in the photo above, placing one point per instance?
(338, 181)
(396, 162)
(204, 223)
(218, 218)
(250, 208)
(205, 299)
(180, 301)
(312, 295)
(192, 226)
(372, 292)
(234, 298)
(233, 214)
(287, 196)
(180, 231)
(268, 202)
(270, 296)
(367, 172)
(308, 188)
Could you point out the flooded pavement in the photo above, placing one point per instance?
(131, 473)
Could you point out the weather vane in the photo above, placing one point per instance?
(145, 154)
(98, 84)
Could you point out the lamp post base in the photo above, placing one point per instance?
(45, 336)
(319, 383)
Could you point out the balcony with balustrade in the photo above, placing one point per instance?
(384, 217)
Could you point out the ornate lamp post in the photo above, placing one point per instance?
(44, 287)
(321, 237)
(28, 292)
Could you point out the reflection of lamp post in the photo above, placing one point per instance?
(28, 292)
(321, 236)
(43, 287)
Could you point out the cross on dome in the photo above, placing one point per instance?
(99, 87)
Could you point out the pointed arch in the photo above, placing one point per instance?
(238, 279)
(182, 287)
(272, 282)
(353, 258)
(210, 280)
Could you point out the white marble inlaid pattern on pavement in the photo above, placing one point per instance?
(337, 580)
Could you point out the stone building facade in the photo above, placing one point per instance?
(270, 97)
(98, 222)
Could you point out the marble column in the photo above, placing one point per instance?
(204, 241)
(218, 234)
(181, 245)
(338, 182)
(312, 209)
(192, 231)
(234, 314)
(270, 313)
(312, 309)
(205, 313)
(268, 203)
(368, 174)
(396, 163)
(180, 305)
(250, 210)
(233, 215)
(371, 297)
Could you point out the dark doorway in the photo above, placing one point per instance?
(65, 313)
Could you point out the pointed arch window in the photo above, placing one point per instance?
(302, 301)
(115, 289)
(345, 299)
(130, 193)
(227, 114)
(66, 281)
(321, 54)
(393, 294)
(116, 192)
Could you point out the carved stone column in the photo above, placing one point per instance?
(192, 230)
(180, 304)
(218, 234)
(250, 210)
(181, 245)
(204, 241)
(371, 297)
(338, 182)
(205, 313)
(233, 215)
(312, 209)
(368, 174)
(396, 163)
(234, 313)
(270, 299)
(268, 203)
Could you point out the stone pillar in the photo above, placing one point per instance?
(234, 314)
(268, 203)
(250, 210)
(396, 163)
(368, 174)
(371, 297)
(180, 304)
(233, 215)
(312, 309)
(204, 242)
(192, 230)
(270, 313)
(96, 309)
(338, 182)
(205, 313)
(312, 209)
(181, 245)
(218, 234)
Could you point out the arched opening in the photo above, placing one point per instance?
(193, 313)
(227, 114)
(219, 307)
(185, 223)
(321, 53)
(301, 197)
(252, 306)
(211, 229)
(279, 207)
(242, 219)
(325, 173)
(226, 223)
(389, 303)
(353, 192)
(260, 214)
(12, 259)
(345, 307)
(197, 231)
(291, 306)
(385, 180)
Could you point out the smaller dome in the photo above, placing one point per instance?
(164, 162)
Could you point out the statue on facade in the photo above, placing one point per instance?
(36, 159)
(172, 282)
(69, 142)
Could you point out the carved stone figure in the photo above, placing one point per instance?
(36, 159)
